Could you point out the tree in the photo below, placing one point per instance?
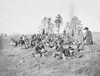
(69, 29)
(74, 25)
(50, 27)
(43, 26)
(58, 22)
(68, 26)
(75, 28)
(47, 25)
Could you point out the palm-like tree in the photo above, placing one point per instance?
(50, 26)
(43, 26)
(58, 22)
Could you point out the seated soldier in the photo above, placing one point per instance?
(43, 50)
(33, 40)
(21, 41)
(58, 51)
(68, 40)
(32, 43)
(24, 41)
(13, 42)
(39, 49)
(50, 43)
(66, 52)
(33, 37)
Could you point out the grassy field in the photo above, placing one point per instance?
(19, 62)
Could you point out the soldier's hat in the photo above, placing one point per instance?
(86, 28)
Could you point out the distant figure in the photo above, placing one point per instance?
(43, 32)
(88, 36)
(64, 32)
(72, 33)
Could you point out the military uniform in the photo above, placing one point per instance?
(88, 38)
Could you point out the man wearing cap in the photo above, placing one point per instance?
(88, 36)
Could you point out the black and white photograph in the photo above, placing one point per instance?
(49, 37)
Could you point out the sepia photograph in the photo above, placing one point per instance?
(49, 37)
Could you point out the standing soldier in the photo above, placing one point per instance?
(43, 32)
(64, 32)
(88, 36)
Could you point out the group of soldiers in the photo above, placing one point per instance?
(63, 46)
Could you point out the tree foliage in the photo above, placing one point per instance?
(74, 25)
(74, 28)
(47, 25)
(43, 26)
(50, 27)
(58, 22)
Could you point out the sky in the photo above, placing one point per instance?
(24, 16)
